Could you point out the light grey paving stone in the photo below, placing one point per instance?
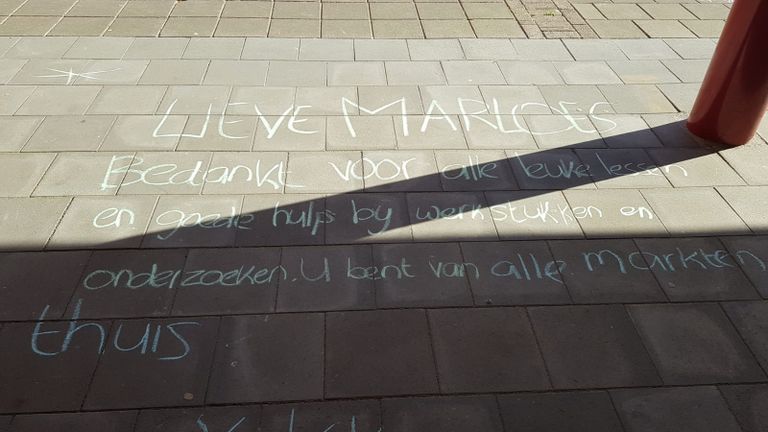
(326, 50)
(670, 129)
(236, 73)
(695, 269)
(389, 100)
(370, 133)
(261, 100)
(750, 161)
(750, 203)
(174, 72)
(497, 132)
(158, 9)
(9, 68)
(472, 73)
(646, 49)
(157, 48)
(576, 99)
(20, 173)
(611, 213)
(103, 222)
(592, 50)
(556, 131)
(213, 48)
(488, 49)
(319, 172)
(532, 50)
(556, 169)
(514, 100)
(270, 137)
(692, 48)
(296, 74)
(127, 100)
(70, 133)
(81, 174)
(99, 48)
(368, 218)
(377, 49)
(399, 284)
(425, 132)
(587, 73)
(530, 73)
(643, 72)
(709, 11)
(456, 216)
(59, 100)
(625, 131)
(623, 168)
(637, 99)
(326, 100)
(401, 171)
(16, 131)
(694, 344)
(674, 409)
(6, 43)
(113, 72)
(681, 95)
(621, 11)
(245, 173)
(45, 72)
(144, 132)
(38, 47)
(190, 99)
(279, 218)
(664, 29)
(615, 29)
(414, 73)
(690, 71)
(474, 170)
(236, 134)
(356, 74)
(528, 215)
(694, 211)
(12, 97)
(270, 49)
(180, 173)
(705, 28)
(193, 221)
(453, 99)
(27, 223)
(667, 11)
(690, 167)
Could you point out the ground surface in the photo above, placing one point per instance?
(295, 234)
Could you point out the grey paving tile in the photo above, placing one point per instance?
(528, 215)
(70, 133)
(450, 414)
(694, 344)
(174, 72)
(20, 173)
(378, 49)
(576, 99)
(224, 49)
(530, 73)
(478, 170)
(748, 403)
(604, 213)
(135, 26)
(510, 358)
(689, 167)
(128, 100)
(751, 321)
(555, 169)
(401, 171)
(270, 49)
(681, 95)
(13, 98)
(325, 100)
(363, 218)
(296, 74)
(749, 203)
(326, 50)
(670, 129)
(692, 48)
(488, 49)
(637, 99)
(213, 418)
(541, 50)
(99, 48)
(592, 50)
(356, 74)
(38, 47)
(315, 172)
(159, 8)
(378, 353)
(291, 369)
(59, 100)
(295, 219)
(623, 168)
(144, 132)
(116, 421)
(581, 72)
(615, 29)
(195, 221)
(157, 48)
(646, 49)
(236, 72)
(191, 165)
(642, 71)
(363, 414)
(245, 173)
(414, 73)
(750, 252)
(27, 25)
(591, 346)
(189, 27)
(114, 72)
(694, 211)
(690, 71)
(626, 131)
(749, 161)
(404, 276)
(674, 409)
(455, 216)
(94, 176)
(29, 222)
(9, 68)
(16, 131)
(559, 412)
(664, 29)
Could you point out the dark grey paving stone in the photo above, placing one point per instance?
(486, 350)
(694, 344)
(514, 273)
(129, 283)
(692, 409)
(318, 279)
(231, 418)
(441, 216)
(359, 415)
(749, 403)
(115, 421)
(752, 255)
(228, 281)
(696, 269)
(559, 412)
(751, 321)
(591, 346)
(31, 283)
(445, 414)
(268, 358)
(378, 353)
(5, 423)
(284, 220)
(361, 218)
(420, 275)
(606, 271)
(45, 373)
(549, 169)
(137, 372)
(622, 168)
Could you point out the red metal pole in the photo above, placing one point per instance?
(734, 95)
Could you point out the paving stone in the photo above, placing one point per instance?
(115, 72)
(236, 72)
(401, 171)
(688, 70)
(458, 216)
(224, 49)
(748, 403)
(103, 223)
(291, 369)
(404, 275)
(356, 74)
(533, 50)
(587, 73)
(98, 48)
(20, 173)
(472, 73)
(48, 72)
(362, 218)
(692, 48)
(270, 49)
(559, 412)
(324, 172)
(435, 49)
(56, 100)
(693, 211)
(230, 27)
(749, 203)
(591, 346)
(129, 376)
(116, 421)
(27, 25)
(311, 138)
(646, 49)
(182, 221)
(694, 344)
(296, 74)
(52, 277)
(325, 50)
(28, 223)
(642, 71)
(580, 99)
(674, 409)
(670, 130)
(314, 286)
(615, 29)
(13, 98)
(705, 28)
(178, 72)
(16, 131)
(623, 168)
(162, 183)
(479, 170)
(636, 99)
(96, 8)
(157, 48)
(488, 49)
(621, 11)
(238, 173)
(70, 133)
(664, 28)
(414, 73)
(378, 353)
(593, 50)
(449, 28)
(528, 215)
(751, 321)
(262, 101)
(749, 161)
(749, 252)
(93, 177)
(489, 132)
(337, 11)
(284, 220)
(135, 27)
(559, 131)
(681, 95)
(626, 131)
(213, 418)
(325, 100)
(689, 167)
(377, 49)
(449, 414)
(510, 360)
(362, 414)
(128, 100)
(9, 68)
(292, 28)
(514, 100)
(144, 132)
(37, 47)
(667, 11)
(555, 169)
(189, 27)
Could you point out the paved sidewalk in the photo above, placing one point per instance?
(242, 234)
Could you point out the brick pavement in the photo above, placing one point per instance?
(401, 235)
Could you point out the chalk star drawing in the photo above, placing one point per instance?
(71, 75)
